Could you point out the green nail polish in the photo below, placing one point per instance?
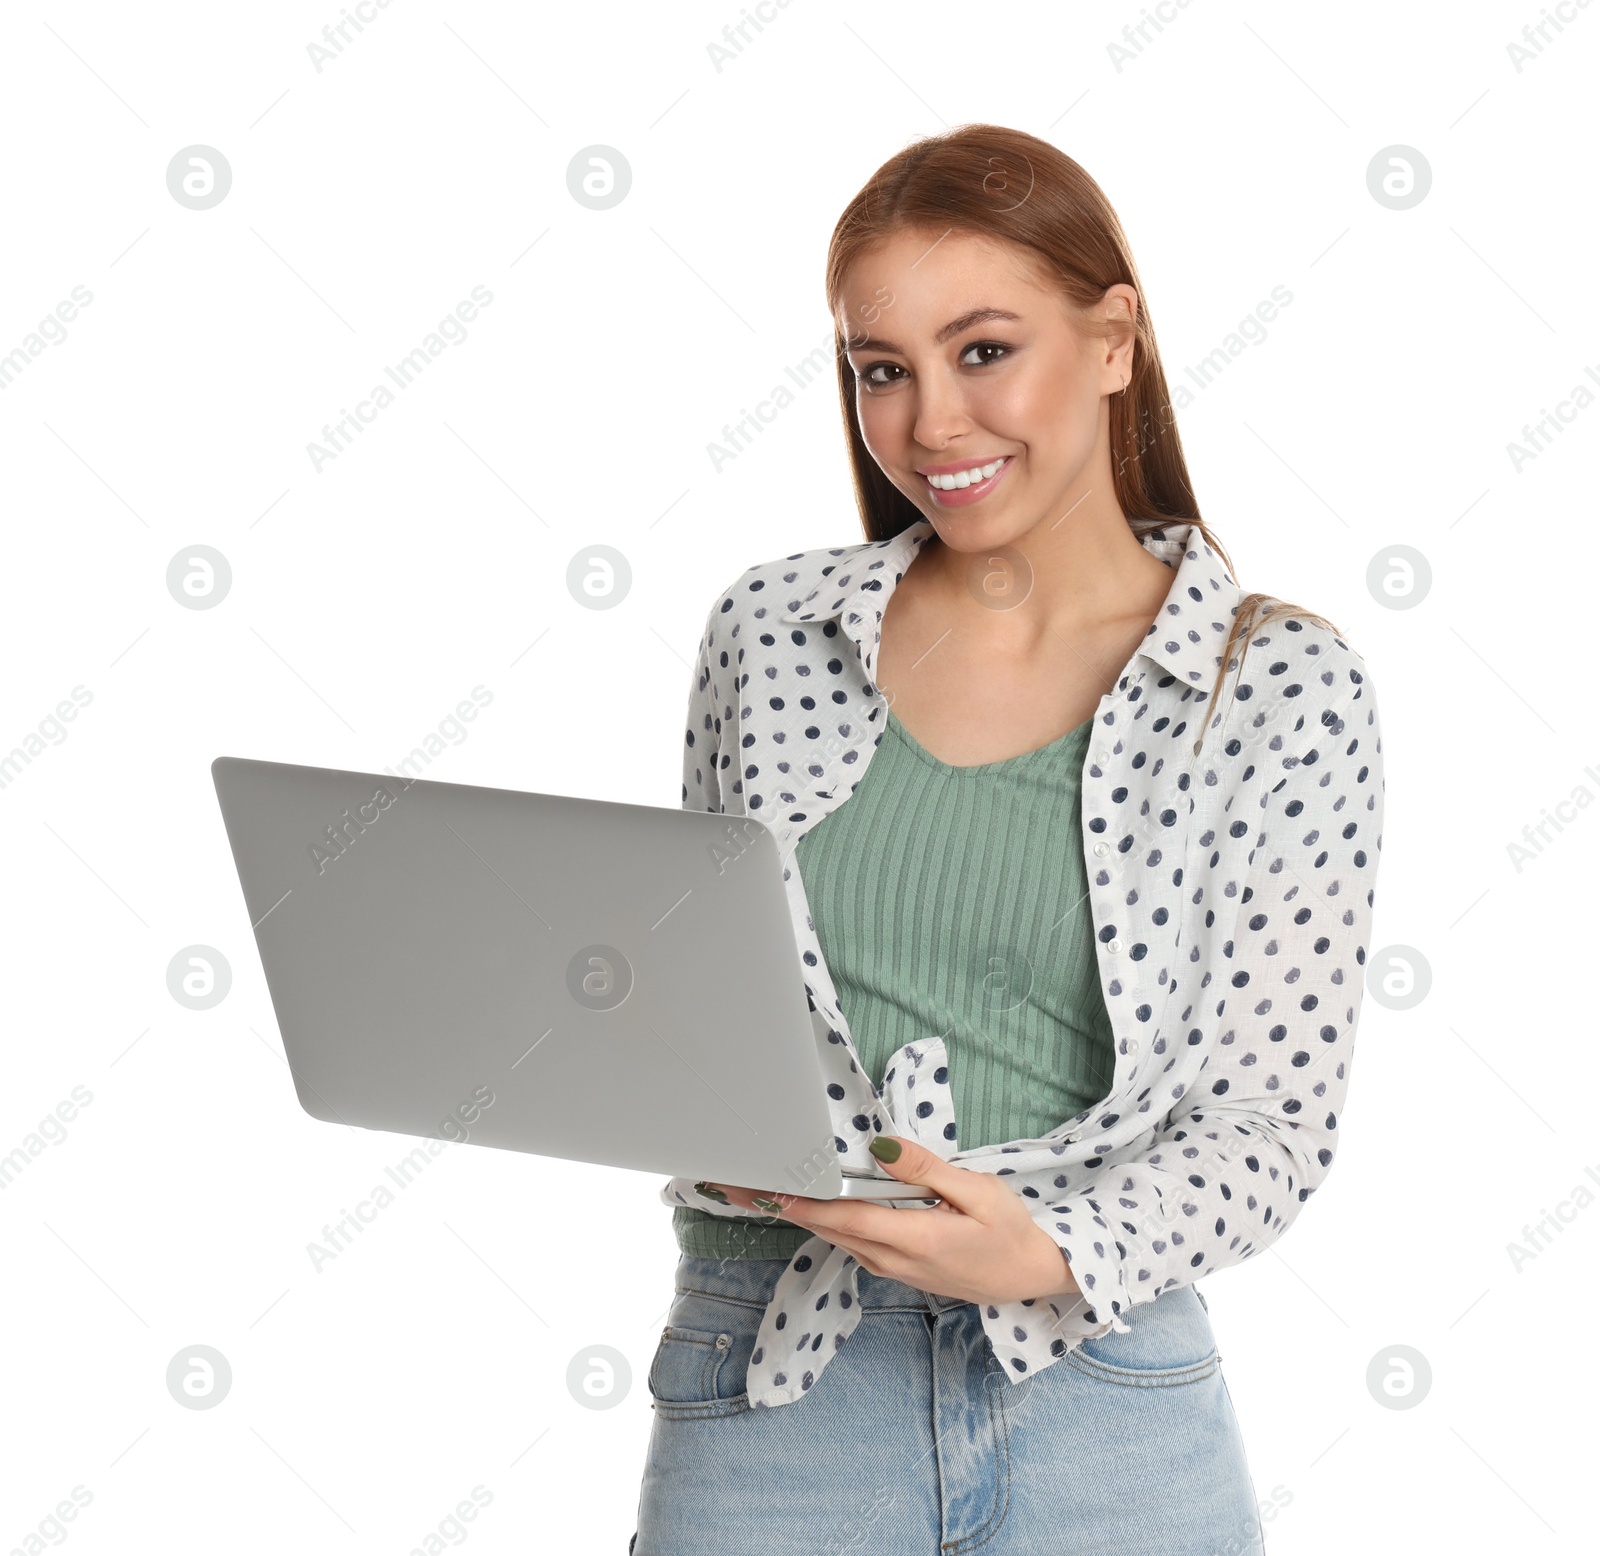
(770, 1205)
(711, 1191)
(885, 1148)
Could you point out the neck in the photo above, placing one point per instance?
(1061, 577)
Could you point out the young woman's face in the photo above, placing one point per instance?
(962, 359)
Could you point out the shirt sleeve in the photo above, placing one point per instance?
(702, 786)
(1255, 1134)
(702, 790)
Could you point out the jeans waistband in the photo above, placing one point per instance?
(753, 1281)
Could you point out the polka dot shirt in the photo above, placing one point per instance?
(1231, 894)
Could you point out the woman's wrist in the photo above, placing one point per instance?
(1050, 1274)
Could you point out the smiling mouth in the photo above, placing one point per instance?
(972, 476)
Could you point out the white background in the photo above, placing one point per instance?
(368, 199)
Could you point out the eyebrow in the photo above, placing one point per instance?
(955, 327)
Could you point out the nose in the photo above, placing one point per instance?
(941, 411)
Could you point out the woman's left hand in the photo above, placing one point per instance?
(979, 1244)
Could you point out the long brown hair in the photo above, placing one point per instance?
(1006, 185)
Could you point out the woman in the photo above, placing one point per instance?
(1085, 947)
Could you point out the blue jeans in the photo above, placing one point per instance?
(912, 1440)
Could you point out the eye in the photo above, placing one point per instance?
(986, 345)
(870, 383)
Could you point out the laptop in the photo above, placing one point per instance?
(576, 978)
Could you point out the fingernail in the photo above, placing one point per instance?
(885, 1148)
(711, 1191)
(769, 1205)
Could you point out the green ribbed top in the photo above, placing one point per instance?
(953, 902)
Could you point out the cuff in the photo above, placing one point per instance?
(1101, 1302)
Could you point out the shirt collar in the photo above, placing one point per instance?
(853, 583)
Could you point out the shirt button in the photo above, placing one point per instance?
(1113, 945)
(1102, 756)
(1102, 849)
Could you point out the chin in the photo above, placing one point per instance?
(975, 532)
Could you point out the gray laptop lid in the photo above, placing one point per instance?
(603, 982)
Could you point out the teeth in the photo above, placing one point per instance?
(954, 483)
